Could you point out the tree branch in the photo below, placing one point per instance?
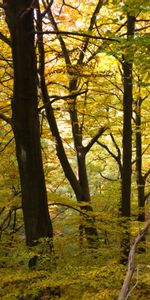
(124, 293)
(107, 178)
(6, 119)
(7, 144)
(108, 150)
(70, 206)
(68, 171)
(116, 145)
(56, 98)
(75, 33)
(47, 7)
(59, 35)
(5, 39)
(91, 26)
(116, 157)
(94, 139)
(146, 196)
(146, 174)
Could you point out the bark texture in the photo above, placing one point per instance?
(127, 66)
(139, 177)
(19, 16)
(125, 207)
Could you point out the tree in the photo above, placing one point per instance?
(87, 69)
(80, 185)
(25, 121)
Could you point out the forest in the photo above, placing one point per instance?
(74, 149)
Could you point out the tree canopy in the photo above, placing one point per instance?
(74, 147)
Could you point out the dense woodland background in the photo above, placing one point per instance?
(74, 149)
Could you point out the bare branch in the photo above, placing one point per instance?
(146, 149)
(47, 7)
(92, 23)
(6, 221)
(142, 28)
(56, 98)
(116, 145)
(107, 178)
(146, 174)
(108, 150)
(69, 173)
(94, 139)
(75, 33)
(70, 206)
(6, 119)
(5, 39)
(2, 209)
(147, 196)
(7, 144)
(57, 32)
(124, 293)
(68, 5)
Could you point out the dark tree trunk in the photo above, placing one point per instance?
(89, 222)
(19, 15)
(89, 226)
(50, 114)
(127, 141)
(139, 178)
(80, 186)
(127, 65)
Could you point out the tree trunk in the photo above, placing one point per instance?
(127, 65)
(127, 141)
(19, 15)
(139, 178)
(89, 224)
(127, 120)
(79, 185)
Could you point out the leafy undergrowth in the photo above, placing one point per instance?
(74, 272)
(77, 274)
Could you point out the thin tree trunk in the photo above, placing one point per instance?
(25, 121)
(139, 178)
(125, 293)
(80, 186)
(127, 65)
(89, 224)
(50, 114)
